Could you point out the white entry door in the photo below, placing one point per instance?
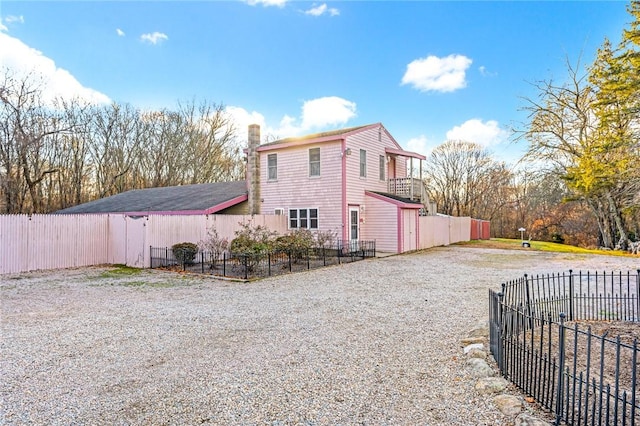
(354, 227)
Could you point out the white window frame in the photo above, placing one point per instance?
(383, 166)
(363, 163)
(304, 218)
(315, 163)
(272, 169)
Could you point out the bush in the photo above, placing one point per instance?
(297, 241)
(185, 253)
(214, 244)
(557, 238)
(252, 239)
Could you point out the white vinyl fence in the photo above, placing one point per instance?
(443, 230)
(40, 242)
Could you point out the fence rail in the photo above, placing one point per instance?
(256, 265)
(551, 335)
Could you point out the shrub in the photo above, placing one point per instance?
(326, 239)
(298, 240)
(185, 253)
(252, 239)
(214, 244)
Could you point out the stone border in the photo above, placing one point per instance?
(482, 367)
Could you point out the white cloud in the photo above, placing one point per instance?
(24, 61)
(437, 74)
(267, 3)
(316, 115)
(418, 144)
(484, 133)
(3, 27)
(14, 19)
(485, 73)
(154, 38)
(120, 32)
(330, 110)
(321, 10)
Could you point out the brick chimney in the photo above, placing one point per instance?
(253, 169)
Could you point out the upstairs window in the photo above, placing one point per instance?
(363, 163)
(383, 165)
(272, 165)
(314, 162)
(303, 218)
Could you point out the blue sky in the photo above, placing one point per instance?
(429, 71)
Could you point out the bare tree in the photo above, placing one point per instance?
(458, 176)
(29, 131)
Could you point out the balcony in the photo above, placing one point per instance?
(412, 189)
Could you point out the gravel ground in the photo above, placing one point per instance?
(374, 342)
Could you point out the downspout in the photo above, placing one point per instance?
(345, 227)
(400, 230)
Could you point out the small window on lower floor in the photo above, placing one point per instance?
(303, 218)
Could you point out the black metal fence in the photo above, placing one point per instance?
(571, 342)
(265, 264)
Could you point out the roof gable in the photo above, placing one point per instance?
(332, 135)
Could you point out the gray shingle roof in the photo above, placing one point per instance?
(397, 197)
(338, 132)
(196, 198)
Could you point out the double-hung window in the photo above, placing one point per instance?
(272, 165)
(383, 165)
(303, 218)
(314, 162)
(363, 163)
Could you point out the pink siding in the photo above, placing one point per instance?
(356, 185)
(381, 223)
(294, 188)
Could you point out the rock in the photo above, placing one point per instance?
(509, 405)
(477, 353)
(525, 419)
(479, 367)
(489, 385)
(473, 346)
(471, 340)
(482, 331)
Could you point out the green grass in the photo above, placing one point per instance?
(516, 244)
(120, 271)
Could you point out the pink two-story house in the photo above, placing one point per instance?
(356, 182)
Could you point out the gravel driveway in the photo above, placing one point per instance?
(374, 342)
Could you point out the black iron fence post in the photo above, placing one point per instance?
(570, 295)
(269, 263)
(561, 359)
(501, 336)
(638, 295)
(224, 264)
(528, 294)
(246, 266)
